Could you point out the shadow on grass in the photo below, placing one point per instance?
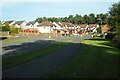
(91, 62)
(26, 47)
(45, 65)
(72, 61)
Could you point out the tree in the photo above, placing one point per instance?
(114, 21)
(6, 27)
(85, 19)
(91, 19)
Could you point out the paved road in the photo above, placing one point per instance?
(42, 67)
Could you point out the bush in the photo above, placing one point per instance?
(110, 36)
(117, 40)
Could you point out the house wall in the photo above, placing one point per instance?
(23, 25)
(29, 27)
(46, 29)
(36, 25)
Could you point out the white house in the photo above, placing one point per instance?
(32, 25)
(58, 25)
(20, 24)
(83, 27)
(93, 27)
(45, 27)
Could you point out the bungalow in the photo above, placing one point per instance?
(20, 24)
(11, 22)
(92, 28)
(46, 27)
(32, 25)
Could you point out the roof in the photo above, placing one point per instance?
(31, 22)
(59, 24)
(67, 23)
(83, 25)
(18, 22)
(92, 25)
(8, 22)
(46, 23)
(105, 28)
(70, 24)
(63, 23)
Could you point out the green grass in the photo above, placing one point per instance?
(96, 59)
(22, 58)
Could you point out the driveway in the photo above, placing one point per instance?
(44, 66)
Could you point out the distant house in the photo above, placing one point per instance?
(83, 27)
(105, 29)
(69, 28)
(92, 28)
(32, 25)
(20, 24)
(11, 22)
(45, 27)
(58, 25)
(67, 25)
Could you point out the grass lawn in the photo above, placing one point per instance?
(22, 58)
(96, 59)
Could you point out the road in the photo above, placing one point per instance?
(44, 66)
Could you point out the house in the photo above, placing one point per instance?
(58, 25)
(69, 28)
(58, 29)
(11, 22)
(105, 29)
(46, 27)
(92, 28)
(20, 24)
(83, 28)
(32, 25)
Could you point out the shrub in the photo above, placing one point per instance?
(110, 36)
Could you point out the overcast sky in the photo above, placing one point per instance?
(31, 10)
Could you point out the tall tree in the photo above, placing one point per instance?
(91, 18)
(114, 21)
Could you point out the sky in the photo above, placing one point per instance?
(29, 10)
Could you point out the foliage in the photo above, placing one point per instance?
(114, 21)
(5, 27)
(13, 29)
(78, 19)
(99, 30)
